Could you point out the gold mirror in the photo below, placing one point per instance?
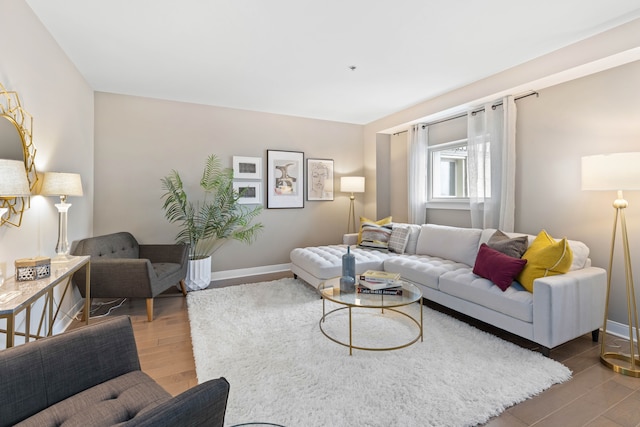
(16, 144)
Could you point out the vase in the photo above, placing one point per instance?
(198, 274)
(348, 278)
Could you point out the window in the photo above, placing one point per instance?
(448, 165)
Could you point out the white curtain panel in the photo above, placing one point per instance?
(491, 165)
(417, 173)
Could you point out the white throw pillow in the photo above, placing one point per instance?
(399, 238)
(452, 243)
(414, 229)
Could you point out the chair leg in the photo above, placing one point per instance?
(150, 309)
(183, 286)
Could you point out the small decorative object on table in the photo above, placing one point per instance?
(348, 279)
(33, 268)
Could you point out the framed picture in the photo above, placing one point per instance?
(247, 167)
(250, 192)
(285, 179)
(319, 179)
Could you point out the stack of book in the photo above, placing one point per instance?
(379, 283)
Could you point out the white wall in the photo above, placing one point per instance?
(61, 103)
(592, 115)
(140, 140)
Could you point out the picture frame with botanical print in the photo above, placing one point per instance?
(247, 167)
(285, 179)
(250, 192)
(319, 179)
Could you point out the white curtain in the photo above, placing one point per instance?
(417, 173)
(491, 160)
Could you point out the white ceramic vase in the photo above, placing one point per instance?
(198, 274)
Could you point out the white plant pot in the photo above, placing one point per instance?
(198, 274)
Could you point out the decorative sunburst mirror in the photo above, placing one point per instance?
(16, 143)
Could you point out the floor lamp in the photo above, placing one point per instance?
(13, 185)
(63, 185)
(617, 172)
(352, 184)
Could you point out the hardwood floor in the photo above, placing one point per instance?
(595, 396)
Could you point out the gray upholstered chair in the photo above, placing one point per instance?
(122, 268)
(91, 376)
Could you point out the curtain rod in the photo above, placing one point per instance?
(472, 112)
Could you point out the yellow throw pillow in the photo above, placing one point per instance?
(545, 257)
(382, 221)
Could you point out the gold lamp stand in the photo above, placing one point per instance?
(352, 184)
(351, 222)
(626, 364)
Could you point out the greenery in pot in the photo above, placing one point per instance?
(219, 217)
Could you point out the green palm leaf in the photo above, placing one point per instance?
(218, 218)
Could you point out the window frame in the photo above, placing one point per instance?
(461, 203)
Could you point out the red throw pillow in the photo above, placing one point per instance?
(501, 269)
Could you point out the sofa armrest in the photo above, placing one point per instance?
(177, 254)
(350, 239)
(112, 278)
(568, 305)
(202, 405)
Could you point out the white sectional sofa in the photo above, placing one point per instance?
(440, 259)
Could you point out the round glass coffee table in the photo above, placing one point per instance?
(330, 291)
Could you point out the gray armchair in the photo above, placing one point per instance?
(122, 268)
(91, 377)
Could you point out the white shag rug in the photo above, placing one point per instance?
(265, 339)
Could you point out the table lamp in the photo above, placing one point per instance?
(352, 184)
(63, 185)
(617, 172)
(13, 185)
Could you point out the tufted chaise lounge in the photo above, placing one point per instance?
(91, 377)
(122, 268)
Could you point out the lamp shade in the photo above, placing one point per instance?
(618, 171)
(13, 179)
(352, 184)
(61, 184)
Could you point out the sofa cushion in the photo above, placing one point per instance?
(422, 269)
(325, 262)
(515, 302)
(364, 220)
(501, 269)
(107, 404)
(512, 246)
(399, 238)
(454, 243)
(545, 257)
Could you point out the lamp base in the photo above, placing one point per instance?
(611, 361)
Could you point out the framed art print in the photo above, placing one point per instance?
(247, 167)
(285, 179)
(319, 179)
(250, 192)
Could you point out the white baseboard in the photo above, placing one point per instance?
(64, 322)
(619, 329)
(253, 271)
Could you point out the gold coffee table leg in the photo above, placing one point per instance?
(350, 334)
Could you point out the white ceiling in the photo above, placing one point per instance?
(293, 56)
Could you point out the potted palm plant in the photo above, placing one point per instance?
(208, 224)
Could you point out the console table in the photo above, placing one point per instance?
(17, 297)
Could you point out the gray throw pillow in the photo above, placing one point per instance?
(399, 238)
(511, 246)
